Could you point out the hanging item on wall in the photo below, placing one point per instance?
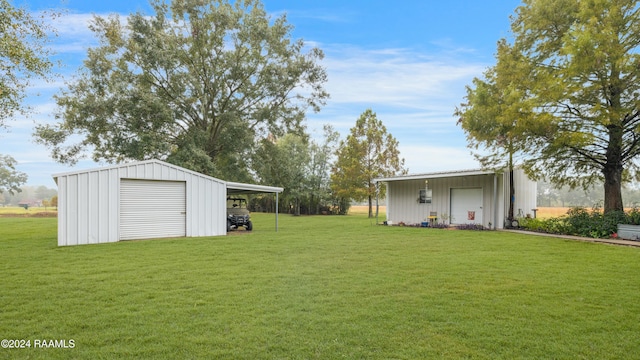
(471, 215)
(425, 196)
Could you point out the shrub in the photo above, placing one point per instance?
(556, 225)
(582, 222)
(470, 227)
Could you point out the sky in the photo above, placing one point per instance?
(408, 60)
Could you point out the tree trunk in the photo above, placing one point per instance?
(512, 196)
(370, 207)
(612, 171)
(613, 188)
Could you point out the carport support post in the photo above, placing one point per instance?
(276, 211)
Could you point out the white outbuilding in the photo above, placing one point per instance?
(458, 197)
(142, 200)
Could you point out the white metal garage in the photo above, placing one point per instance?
(141, 200)
(458, 197)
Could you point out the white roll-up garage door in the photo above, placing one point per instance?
(466, 206)
(152, 209)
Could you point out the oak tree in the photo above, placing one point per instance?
(24, 56)
(194, 84)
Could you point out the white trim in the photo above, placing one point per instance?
(252, 188)
(436, 175)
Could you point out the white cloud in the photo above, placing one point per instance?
(424, 158)
(395, 77)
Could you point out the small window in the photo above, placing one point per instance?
(425, 196)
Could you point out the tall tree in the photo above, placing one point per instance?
(10, 178)
(24, 56)
(284, 162)
(583, 58)
(194, 84)
(368, 152)
(494, 116)
(321, 156)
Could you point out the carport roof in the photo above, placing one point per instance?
(240, 188)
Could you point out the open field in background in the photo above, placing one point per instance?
(323, 287)
(15, 211)
(543, 212)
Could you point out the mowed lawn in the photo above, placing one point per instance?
(323, 287)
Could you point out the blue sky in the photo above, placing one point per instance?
(409, 61)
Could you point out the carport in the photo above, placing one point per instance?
(234, 188)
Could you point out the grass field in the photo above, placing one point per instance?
(324, 287)
(15, 211)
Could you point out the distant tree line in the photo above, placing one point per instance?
(592, 197)
(40, 194)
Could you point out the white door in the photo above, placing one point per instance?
(152, 209)
(466, 206)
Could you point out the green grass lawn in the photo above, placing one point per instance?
(320, 288)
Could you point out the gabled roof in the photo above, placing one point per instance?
(232, 187)
(436, 175)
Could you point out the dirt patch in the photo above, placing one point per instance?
(40, 214)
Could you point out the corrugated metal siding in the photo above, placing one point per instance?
(525, 196)
(403, 205)
(152, 209)
(89, 202)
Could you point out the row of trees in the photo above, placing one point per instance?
(27, 193)
(215, 86)
(563, 99)
(220, 88)
(318, 178)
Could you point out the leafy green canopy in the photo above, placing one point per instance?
(24, 55)
(369, 152)
(574, 68)
(194, 84)
(10, 178)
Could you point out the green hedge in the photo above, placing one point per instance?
(582, 222)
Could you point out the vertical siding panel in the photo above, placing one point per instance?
(72, 210)
(83, 208)
(114, 205)
(62, 211)
(93, 207)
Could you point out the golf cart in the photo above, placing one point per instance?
(238, 214)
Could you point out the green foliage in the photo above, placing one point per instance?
(24, 55)
(196, 83)
(579, 221)
(299, 165)
(10, 178)
(470, 227)
(571, 81)
(368, 152)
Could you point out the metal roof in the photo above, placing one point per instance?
(232, 187)
(436, 175)
(240, 188)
